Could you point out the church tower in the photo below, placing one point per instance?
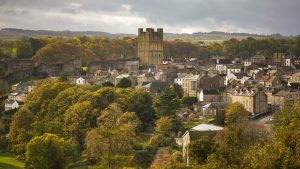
(150, 46)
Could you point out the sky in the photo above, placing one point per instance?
(174, 16)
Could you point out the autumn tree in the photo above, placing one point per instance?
(48, 152)
(163, 125)
(112, 142)
(234, 113)
(78, 119)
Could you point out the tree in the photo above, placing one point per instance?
(140, 102)
(200, 149)
(20, 131)
(24, 49)
(189, 101)
(177, 89)
(112, 142)
(268, 156)
(235, 112)
(63, 77)
(168, 103)
(78, 119)
(163, 125)
(124, 83)
(47, 152)
(108, 84)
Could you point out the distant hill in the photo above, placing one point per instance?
(13, 33)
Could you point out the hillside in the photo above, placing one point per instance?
(13, 33)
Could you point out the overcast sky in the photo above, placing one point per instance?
(179, 16)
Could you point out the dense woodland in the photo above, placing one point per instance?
(100, 48)
(123, 127)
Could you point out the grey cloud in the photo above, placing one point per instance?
(258, 16)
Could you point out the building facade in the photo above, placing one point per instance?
(150, 46)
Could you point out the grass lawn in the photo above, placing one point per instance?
(8, 161)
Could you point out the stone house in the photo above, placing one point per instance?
(213, 108)
(270, 81)
(145, 78)
(258, 59)
(253, 99)
(190, 85)
(283, 97)
(209, 96)
(295, 78)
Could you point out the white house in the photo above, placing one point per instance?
(247, 63)
(80, 81)
(233, 69)
(11, 104)
(179, 79)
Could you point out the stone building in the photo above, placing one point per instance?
(150, 46)
(254, 100)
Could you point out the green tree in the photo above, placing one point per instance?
(177, 89)
(47, 152)
(63, 77)
(200, 149)
(167, 103)
(108, 84)
(24, 49)
(140, 102)
(189, 101)
(124, 83)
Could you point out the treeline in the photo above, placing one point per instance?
(109, 49)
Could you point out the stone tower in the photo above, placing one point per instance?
(150, 46)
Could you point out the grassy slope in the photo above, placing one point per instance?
(8, 161)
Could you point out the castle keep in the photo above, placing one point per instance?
(150, 46)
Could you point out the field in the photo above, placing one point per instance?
(8, 161)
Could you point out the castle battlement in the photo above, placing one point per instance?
(150, 46)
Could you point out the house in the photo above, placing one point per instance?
(294, 78)
(210, 81)
(253, 99)
(247, 63)
(236, 77)
(270, 81)
(213, 108)
(195, 133)
(255, 74)
(209, 96)
(233, 69)
(155, 86)
(145, 78)
(283, 97)
(258, 59)
(278, 59)
(190, 85)
(80, 81)
(11, 104)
